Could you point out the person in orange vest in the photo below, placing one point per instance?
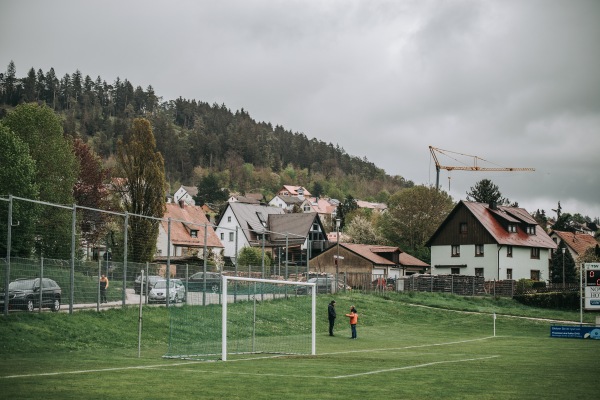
(103, 287)
(353, 320)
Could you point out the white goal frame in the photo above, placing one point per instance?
(226, 278)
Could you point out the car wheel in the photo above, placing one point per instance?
(30, 306)
(55, 305)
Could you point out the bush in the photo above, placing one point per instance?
(556, 300)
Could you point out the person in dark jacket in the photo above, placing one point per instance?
(331, 314)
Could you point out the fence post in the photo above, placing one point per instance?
(72, 272)
(125, 230)
(41, 285)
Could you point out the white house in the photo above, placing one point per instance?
(496, 242)
(185, 194)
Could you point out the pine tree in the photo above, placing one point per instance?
(485, 191)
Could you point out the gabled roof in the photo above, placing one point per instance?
(251, 217)
(297, 225)
(321, 205)
(367, 252)
(290, 200)
(578, 242)
(293, 190)
(490, 220)
(195, 219)
(407, 260)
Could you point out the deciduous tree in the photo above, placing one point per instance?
(56, 171)
(17, 177)
(142, 187)
(413, 216)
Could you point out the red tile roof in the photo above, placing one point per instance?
(492, 224)
(371, 253)
(187, 218)
(578, 242)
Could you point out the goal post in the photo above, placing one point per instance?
(256, 318)
(224, 321)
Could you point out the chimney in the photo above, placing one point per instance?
(493, 205)
(181, 203)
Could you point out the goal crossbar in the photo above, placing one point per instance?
(226, 278)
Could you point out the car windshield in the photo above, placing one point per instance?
(28, 284)
(163, 284)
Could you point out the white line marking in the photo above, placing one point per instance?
(256, 358)
(411, 367)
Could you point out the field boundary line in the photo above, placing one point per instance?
(414, 346)
(96, 370)
(499, 315)
(412, 367)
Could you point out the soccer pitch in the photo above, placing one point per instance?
(402, 352)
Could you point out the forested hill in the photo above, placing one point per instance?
(247, 155)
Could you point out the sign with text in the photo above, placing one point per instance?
(592, 286)
(575, 332)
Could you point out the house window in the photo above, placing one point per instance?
(535, 252)
(455, 250)
(222, 236)
(307, 207)
(194, 233)
(531, 229)
(508, 273)
(512, 228)
(455, 271)
(463, 228)
(478, 250)
(231, 236)
(509, 251)
(229, 218)
(535, 275)
(478, 271)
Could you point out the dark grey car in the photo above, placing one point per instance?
(25, 294)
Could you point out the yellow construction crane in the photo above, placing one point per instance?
(474, 167)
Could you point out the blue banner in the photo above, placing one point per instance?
(575, 332)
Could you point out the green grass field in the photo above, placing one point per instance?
(403, 351)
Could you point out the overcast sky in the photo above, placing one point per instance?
(516, 83)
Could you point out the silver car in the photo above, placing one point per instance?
(158, 294)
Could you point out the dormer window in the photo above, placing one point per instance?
(531, 229)
(512, 228)
(194, 233)
(261, 219)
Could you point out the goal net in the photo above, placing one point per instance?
(257, 316)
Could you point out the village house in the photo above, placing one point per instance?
(496, 242)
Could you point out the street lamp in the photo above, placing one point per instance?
(563, 274)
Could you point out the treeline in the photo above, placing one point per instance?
(197, 138)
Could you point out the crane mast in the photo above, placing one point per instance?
(474, 167)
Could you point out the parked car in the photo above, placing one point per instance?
(158, 294)
(195, 282)
(140, 287)
(323, 285)
(24, 294)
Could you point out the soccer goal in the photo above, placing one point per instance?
(257, 317)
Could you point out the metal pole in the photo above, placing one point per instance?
(337, 258)
(262, 295)
(125, 230)
(8, 240)
(204, 266)
(236, 264)
(72, 272)
(563, 269)
(140, 321)
(168, 277)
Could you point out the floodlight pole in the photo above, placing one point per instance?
(337, 258)
(563, 272)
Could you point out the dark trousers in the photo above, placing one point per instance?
(331, 323)
(103, 295)
(353, 329)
